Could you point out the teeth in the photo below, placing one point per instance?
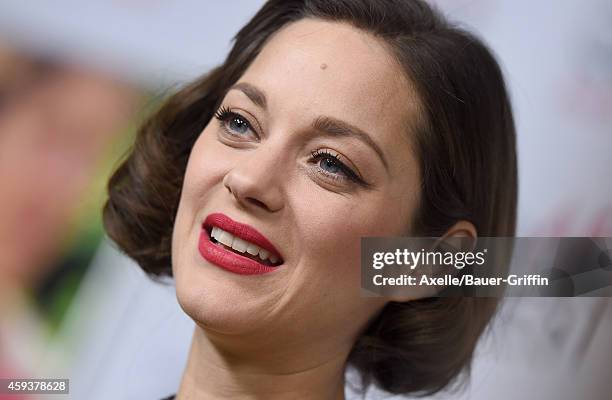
(226, 238)
(263, 254)
(252, 249)
(241, 245)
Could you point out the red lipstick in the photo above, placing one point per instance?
(219, 255)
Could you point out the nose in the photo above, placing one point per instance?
(255, 181)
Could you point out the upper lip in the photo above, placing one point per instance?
(243, 231)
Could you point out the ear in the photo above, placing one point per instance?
(461, 230)
(462, 234)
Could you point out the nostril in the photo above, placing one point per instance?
(257, 202)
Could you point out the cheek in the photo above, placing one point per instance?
(328, 271)
(331, 228)
(204, 170)
(205, 167)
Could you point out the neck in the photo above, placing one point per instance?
(225, 368)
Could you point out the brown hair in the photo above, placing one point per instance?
(465, 144)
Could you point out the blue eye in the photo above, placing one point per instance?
(232, 122)
(330, 165)
(238, 124)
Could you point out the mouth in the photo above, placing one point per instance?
(241, 247)
(237, 247)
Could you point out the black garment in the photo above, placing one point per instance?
(169, 397)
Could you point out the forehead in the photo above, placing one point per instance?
(314, 67)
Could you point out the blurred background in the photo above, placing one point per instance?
(77, 77)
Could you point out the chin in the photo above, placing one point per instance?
(214, 312)
(221, 301)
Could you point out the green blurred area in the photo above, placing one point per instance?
(83, 236)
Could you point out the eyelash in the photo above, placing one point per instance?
(317, 155)
(224, 115)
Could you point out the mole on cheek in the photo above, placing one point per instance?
(323, 66)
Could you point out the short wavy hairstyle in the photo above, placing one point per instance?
(464, 143)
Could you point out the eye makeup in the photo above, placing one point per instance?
(327, 162)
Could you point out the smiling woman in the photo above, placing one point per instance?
(328, 121)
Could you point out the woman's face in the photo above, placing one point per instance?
(317, 90)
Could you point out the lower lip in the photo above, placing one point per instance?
(229, 260)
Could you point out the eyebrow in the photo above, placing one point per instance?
(254, 94)
(335, 127)
(328, 125)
